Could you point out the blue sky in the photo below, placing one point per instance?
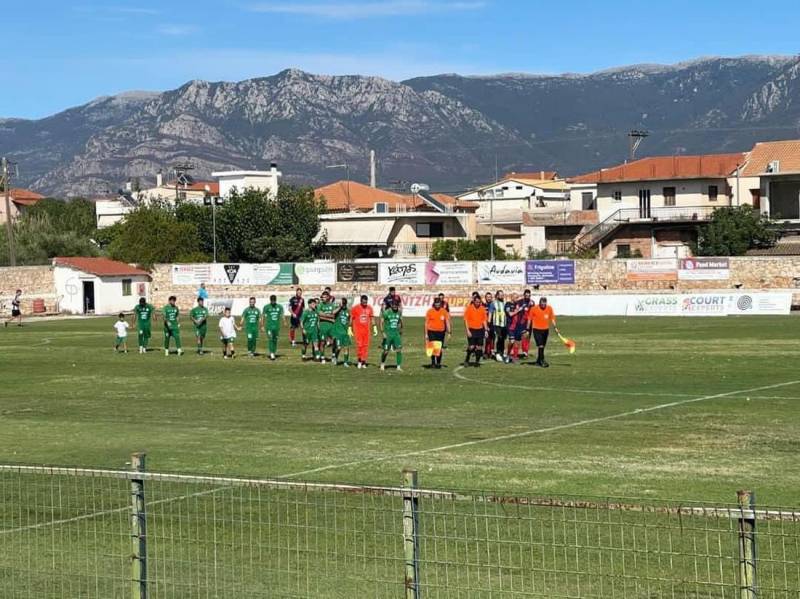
(61, 53)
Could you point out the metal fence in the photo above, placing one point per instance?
(74, 532)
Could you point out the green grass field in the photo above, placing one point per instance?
(69, 399)
(649, 408)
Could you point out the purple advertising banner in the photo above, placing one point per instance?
(550, 272)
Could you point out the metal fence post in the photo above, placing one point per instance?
(410, 534)
(138, 531)
(747, 545)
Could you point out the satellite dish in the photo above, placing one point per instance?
(418, 187)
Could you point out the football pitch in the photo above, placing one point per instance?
(666, 411)
(688, 409)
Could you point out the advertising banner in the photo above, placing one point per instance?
(779, 302)
(416, 304)
(704, 269)
(402, 273)
(317, 273)
(704, 304)
(544, 272)
(449, 273)
(233, 274)
(501, 273)
(357, 272)
(657, 269)
(651, 305)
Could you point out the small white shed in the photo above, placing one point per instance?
(98, 285)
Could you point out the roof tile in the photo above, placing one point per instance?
(99, 266)
(663, 168)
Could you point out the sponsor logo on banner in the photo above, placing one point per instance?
(657, 269)
(231, 270)
(762, 303)
(273, 274)
(501, 273)
(357, 272)
(704, 305)
(653, 305)
(553, 272)
(404, 273)
(448, 273)
(418, 304)
(191, 274)
(704, 269)
(322, 273)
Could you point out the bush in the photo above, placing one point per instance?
(465, 249)
(734, 230)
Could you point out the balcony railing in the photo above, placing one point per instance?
(418, 249)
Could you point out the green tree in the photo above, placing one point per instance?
(466, 249)
(254, 227)
(200, 216)
(734, 230)
(37, 239)
(76, 215)
(153, 234)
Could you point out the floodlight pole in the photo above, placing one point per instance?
(12, 254)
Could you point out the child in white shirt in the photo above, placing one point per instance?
(227, 333)
(122, 334)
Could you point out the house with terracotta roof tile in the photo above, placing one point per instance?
(776, 167)
(98, 285)
(20, 200)
(652, 206)
(373, 222)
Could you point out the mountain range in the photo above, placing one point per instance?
(450, 131)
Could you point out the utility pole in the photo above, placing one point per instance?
(636, 137)
(12, 255)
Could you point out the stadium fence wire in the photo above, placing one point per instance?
(79, 532)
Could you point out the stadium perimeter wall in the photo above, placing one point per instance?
(591, 277)
(36, 282)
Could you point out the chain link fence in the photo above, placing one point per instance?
(74, 532)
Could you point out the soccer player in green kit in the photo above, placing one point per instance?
(326, 310)
(199, 317)
(341, 333)
(251, 321)
(172, 325)
(143, 317)
(273, 316)
(392, 327)
(310, 324)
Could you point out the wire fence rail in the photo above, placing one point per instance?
(79, 532)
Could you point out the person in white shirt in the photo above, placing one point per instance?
(227, 334)
(121, 326)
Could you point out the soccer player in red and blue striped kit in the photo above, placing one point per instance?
(296, 307)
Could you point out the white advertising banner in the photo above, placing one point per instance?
(233, 274)
(704, 269)
(449, 273)
(501, 273)
(317, 273)
(402, 273)
(656, 269)
(721, 303)
(775, 302)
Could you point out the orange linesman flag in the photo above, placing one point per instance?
(433, 348)
(569, 343)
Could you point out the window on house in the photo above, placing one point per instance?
(713, 192)
(505, 186)
(587, 200)
(755, 196)
(617, 195)
(181, 195)
(127, 287)
(669, 196)
(498, 193)
(519, 187)
(430, 229)
(623, 250)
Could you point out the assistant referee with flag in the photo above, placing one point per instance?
(540, 317)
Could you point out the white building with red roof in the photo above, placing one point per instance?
(98, 285)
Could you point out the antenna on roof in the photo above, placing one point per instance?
(635, 138)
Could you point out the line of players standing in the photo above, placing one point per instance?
(495, 327)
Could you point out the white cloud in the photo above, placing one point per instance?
(365, 10)
(177, 30)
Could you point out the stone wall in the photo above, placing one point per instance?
(36, 282)
(591, 276)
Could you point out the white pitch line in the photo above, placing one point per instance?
(539, 431)
(460, 376)
(127, 508)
